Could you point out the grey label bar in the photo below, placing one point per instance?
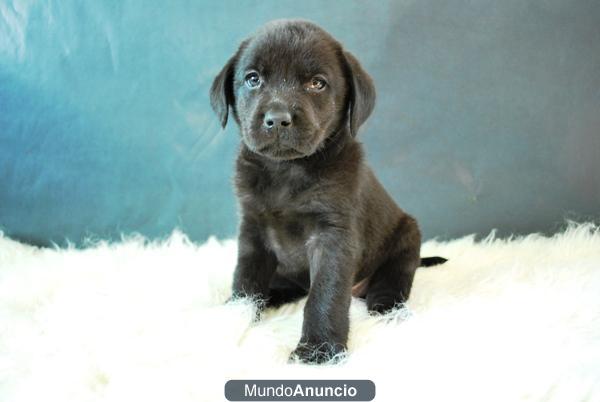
(299, 390)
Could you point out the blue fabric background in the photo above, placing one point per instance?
(488, 112)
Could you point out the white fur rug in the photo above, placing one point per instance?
(136, 321)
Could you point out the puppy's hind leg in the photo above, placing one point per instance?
(391, 283)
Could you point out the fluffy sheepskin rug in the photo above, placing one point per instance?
(503, 319)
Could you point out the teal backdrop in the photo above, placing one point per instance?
(488, 112)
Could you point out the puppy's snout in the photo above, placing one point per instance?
(277, 118)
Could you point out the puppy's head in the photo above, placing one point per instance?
(290, 87)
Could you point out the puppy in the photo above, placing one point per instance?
(314, 219)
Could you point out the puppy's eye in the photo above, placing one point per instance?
(252, 80)
(315, 84)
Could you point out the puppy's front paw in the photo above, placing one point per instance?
(257, 303)
(319, 353)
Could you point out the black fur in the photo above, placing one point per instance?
(431, 261)
(315, 220)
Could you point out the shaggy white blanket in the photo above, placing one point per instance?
(137, 321)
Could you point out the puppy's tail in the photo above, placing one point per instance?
(431, 261)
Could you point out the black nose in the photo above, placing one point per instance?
(277, 119)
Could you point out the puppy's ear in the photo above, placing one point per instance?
(221, 91)
(361, 93)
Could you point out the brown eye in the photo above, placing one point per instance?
(252, 80)
(316, 84)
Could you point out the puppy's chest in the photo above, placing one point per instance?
(286, 234)
(285, 206)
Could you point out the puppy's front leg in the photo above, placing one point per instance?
(326, 321)
(256, 264)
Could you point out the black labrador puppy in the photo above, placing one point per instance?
(315, 221)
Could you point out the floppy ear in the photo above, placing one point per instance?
(361, 93)
(221, 91)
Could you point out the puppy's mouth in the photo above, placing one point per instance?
(280, 146)
(278, 152)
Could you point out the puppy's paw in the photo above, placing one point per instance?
(383, 304)
(239, 297)
(259, 304)
(320, 353)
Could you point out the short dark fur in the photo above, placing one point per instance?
(315, 220)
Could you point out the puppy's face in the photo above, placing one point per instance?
(290, 92)
(290, 87)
